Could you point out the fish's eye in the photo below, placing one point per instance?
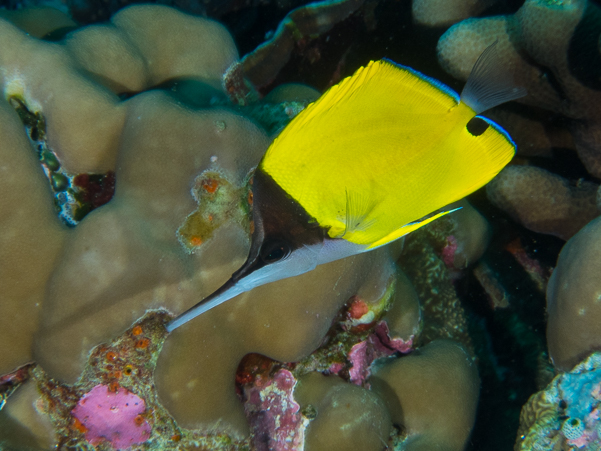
(274, 250)
(476, 126)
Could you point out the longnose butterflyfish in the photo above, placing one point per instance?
(377, 156)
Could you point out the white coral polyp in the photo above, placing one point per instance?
(572, 428)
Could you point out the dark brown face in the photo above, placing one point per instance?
(281, 226)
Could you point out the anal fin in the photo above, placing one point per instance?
(408, 228)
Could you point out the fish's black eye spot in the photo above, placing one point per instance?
(476, 126)
(274, 250)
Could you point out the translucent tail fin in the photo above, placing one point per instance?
(490, 83)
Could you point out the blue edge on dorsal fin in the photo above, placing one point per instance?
(444, 88)
(483, 63)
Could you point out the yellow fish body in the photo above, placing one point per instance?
(388, 145)
(368, 162)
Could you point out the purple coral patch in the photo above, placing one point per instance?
(112, 416)
(378, 344)
(274, 415)
(361, 356)
(391, 345)
(448, 252)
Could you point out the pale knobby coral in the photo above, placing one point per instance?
(437, 13)
(343, 416)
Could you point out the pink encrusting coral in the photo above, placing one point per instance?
(274, 415)
(112, 416)
(448, 252)
(378, 344)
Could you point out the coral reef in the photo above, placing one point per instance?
(198, 364)
(436, 13)
(82, 122)
(363, 424)
(176, 226)
(565, 415)
(22, 426)
(27, 211)
(127, 153)
(423, 260)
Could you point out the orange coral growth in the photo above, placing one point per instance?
(358, 308)
(142, 343)
(136, 331)
(195, 240)
(111, 356)
(210, 185)
(139, 420)
(78, 425)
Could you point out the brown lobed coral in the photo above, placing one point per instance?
(573, 299)
(542, 201)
